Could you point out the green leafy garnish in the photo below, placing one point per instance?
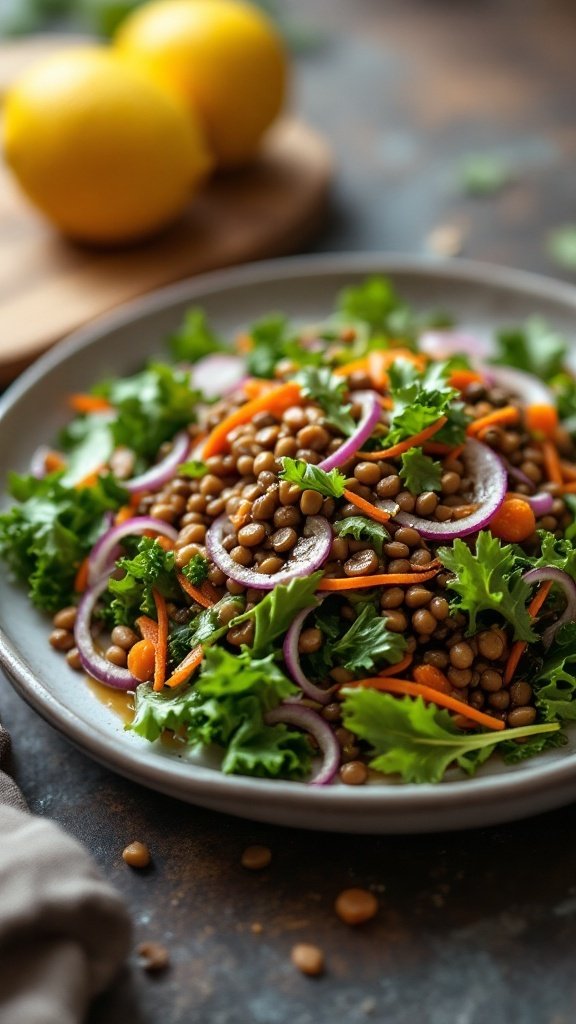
(275, 613)
(362, 528)
(321, 386)
(368, 642)
(418, 741)
(419, 472)
(194, 469)
(269, 338)
(375, 303)
(489, 580)
(88, 443)
(204, 629)
(420, 399)
(45, 537)
(555, 680)
(561, 245)
(197, 570)
(194, 339)
(150, 567)
(482, 174)
(311, 478)
(536, 348)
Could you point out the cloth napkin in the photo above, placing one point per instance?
(64, 932)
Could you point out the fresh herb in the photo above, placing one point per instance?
(362, 528)
(482, 174)
(420, 399)
(375, 303)
(311, 478)
(419, 472)
(555, 680)
(489, 580)
(88, 443)
(321, 386)
(204, 629)
(561, 246)
(194, 339)
(274, 614)
(269, 337)
(197, 570)
(45, 537)
(560, 553)
(564, 386)
(150, 567)
(193, 469)
(226, 707)
(368, 642)
(535, 348)
(416, 740)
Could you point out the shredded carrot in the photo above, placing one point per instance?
(123, 514)
(276, 399)
(398, 667)
(429, 675)
(367, 507)
(378, 364)
(460, 379)
(437, 448)
(244, 343)
(514, 521)
(194, 592)
(53, 461)
(253, 387)
(392, 579)
(148, 628)
(498, 418)
(552, 463)
(356, 366)
(210, 592)
(541, 420)
(90, 479)
(403, 446)
(568, 471)
(165, 543)
(186, 667)
(519, 646)
(162, 645)
(81, 578)
(569, 488)
(86, 404)
(404, 688)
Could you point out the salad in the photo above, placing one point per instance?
(342, 551)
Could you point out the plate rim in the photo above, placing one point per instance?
(167, 775)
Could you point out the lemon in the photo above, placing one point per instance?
(223, 57)
(102, 150)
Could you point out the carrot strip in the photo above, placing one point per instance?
(277, 399)
(210, 592)
(367, 507)
(81, 578)
(123, 514)
(54, 461)
(445, 450)
(86, 404)
(162, 645)
(569, 488)
(356, 366)
(541, 420)
(194, 592)
(148, 628)
(552, 463)
(499, 417)
(90, 479)
(519, 646)
(403, 446)
(398, 667)
(186, 667)
(392, 579)
(568, 471)
(404, 688)
(460, 379)
(429, 675)
(253, 387)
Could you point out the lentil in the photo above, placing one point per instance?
(154, 956)
(65, 618)
(308, 959)
(136, 855)
(61, 640)
(354, 773)
(356, 906)
(256, 858)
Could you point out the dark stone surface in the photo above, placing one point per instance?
(473, 927)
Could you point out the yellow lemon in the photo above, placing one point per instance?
(101, 149)
(223, 57)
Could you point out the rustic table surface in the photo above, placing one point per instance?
(473, 927)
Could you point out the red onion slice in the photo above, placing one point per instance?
(309, 554)
(550, 572)
(443, 344)
(292, 659)
(541, 503)
(491, 484)
(304, 718)
(218, 374)
(163, 471)
(106, 550)
(518, 475)
(371, 412)
(520, 384)
(93, 662)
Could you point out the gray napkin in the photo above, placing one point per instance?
(64, 932)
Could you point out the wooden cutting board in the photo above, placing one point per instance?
(49, 286)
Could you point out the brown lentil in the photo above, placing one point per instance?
(154, 956)
(396, 621)
(354, 773)
(440, 608)
(355, 906)
(521, 693)
(308, 959)
(65, 618)
(270, 565)
(363, 563)
(136, 855)
(426, 503)
(310, 640)
(367, 473)
(461, 655)
(61, 640)
(310, 503)
(256, 858)
(116, 655)
(423, 621)
(287, 515)
(392, 597)
(417, 597)
(73, 659)
(491, 644)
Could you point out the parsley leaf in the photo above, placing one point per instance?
(489, 580)
(420, 399)
(327, 390)
(197, 570)
(194, 339)
(375, 303)
(45, 538)
(536, 348)
(204, 629)
(269, 337)
(362, 528)
(311, 478)
(367, 642)
(274, 614)
(419, 472)
(151, 567)
(555, 680)
(193, 469)
(418, 741)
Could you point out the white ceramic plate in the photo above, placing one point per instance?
(35, 407)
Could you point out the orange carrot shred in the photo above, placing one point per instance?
(253, 387)
(552, 462)
(90, 479)
(148, 628)
(81, 578)
(404, 688)
(569, 488)
(162, 645)
(460, 379)
(429, 675)
(276, 399)
(398, 667)
(541, 420)
(194, 592)
(186, 667)
(85, 404)
(568, 470)
(356, 366)
(403, 446)
(499, 417)
(392, 579)
(519, 646)
(367, 507)
(53, 461)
